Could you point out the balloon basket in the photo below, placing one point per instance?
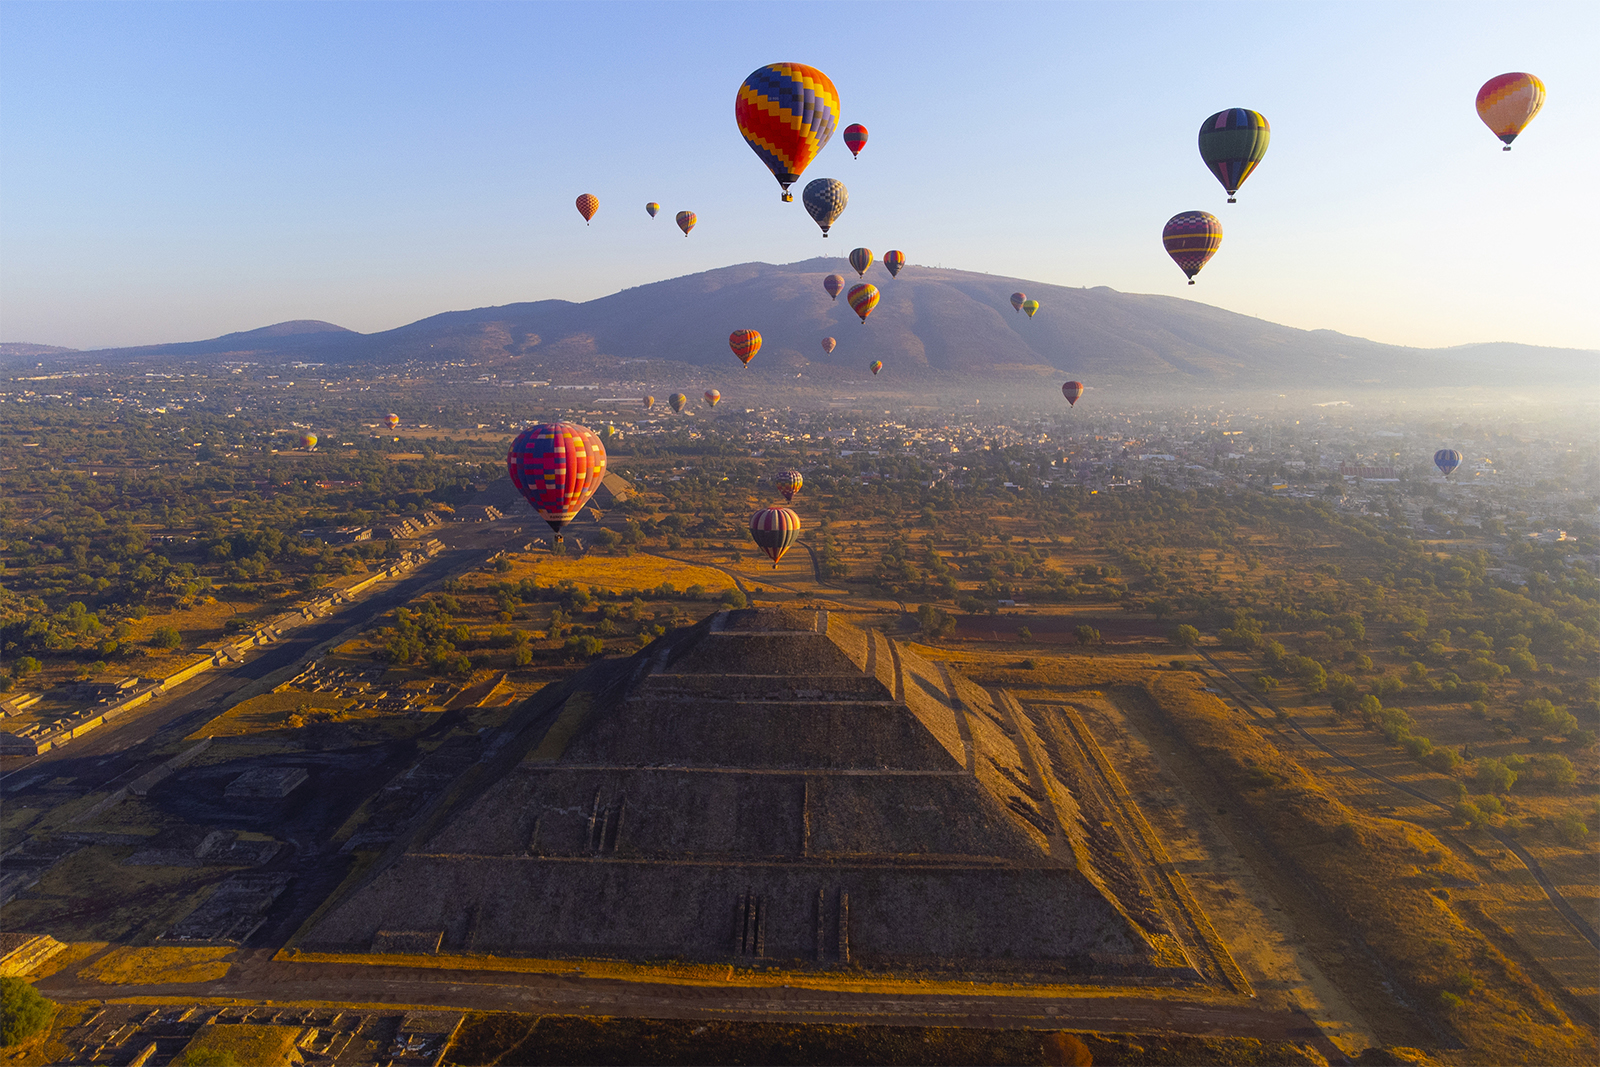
(1191, 281)
(788, 198)
(1233, 200)
(1507, 148)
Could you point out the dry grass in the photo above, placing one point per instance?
(616, 573)
(159, 965)
(259, 1046)
(269, 711)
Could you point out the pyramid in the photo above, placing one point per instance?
(769, 784)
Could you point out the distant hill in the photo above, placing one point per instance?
(931, 323)
(23, 350)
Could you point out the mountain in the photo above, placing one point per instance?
(930, 323)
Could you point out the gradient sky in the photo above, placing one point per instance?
(177, 171)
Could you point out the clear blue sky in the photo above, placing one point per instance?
(177, 171)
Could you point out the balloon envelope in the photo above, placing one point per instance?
(894, 259)
(652, 208)
(649, 402)
(855, 138)
(1072, 391)
(1018, 299)
(789, 483)
(713, 397)
(828, 344)
(786, 113)
(557, 467)
(391, 420)
(686, 221)
(588, 204)
(1508, 102)
(745, 344)
(825, 200)
(863, 298)
(1232, 143)
(875, 366)
(774, 530)
(308, 441)
(1447, 460)
(833, 284)
(1192, 238)
(677, 400)
(861, 259)
(1030, 306)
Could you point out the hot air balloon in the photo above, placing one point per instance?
(588, 204)
(1030, 306)
(825, 200)
(1192, 238)
(610, 433)
(875, 366)
(828, 344)
(894, 259)
(652, 207)
(855, 139)
(713, 397)
(774, 530)
(686, 221)
(789, 483)
(786, 112)
(557, 467)
(745, 344)
(834, 285)
(1508, 102)
(1072, 391)
(677, 400)
(391, 420)
(1447, 460)
(1018, 299)
(861, 259)
(863, 298)
(1232, 142)
(308, 441)
(649, 402)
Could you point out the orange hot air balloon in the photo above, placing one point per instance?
(713, 397)
(875, 366)
(652, 207)
(789, 483)
(308, 441)
(678, 401)
(557, 467)
(855, 139)
(588, 204)
(391, 420)
(1072, 391)
(686, 221)
(861, 259)
(786, 113)
(1018, 299)
(863, 298)
(649, 402)
(1508, 102)
(745, 344)
(894, 259)
(828, 344)
(834, 285)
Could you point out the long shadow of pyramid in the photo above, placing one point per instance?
(770, 784)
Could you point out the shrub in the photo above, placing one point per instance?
(1469, 813)
(1570, 830)
(1087, 635)
(734, 598)
(165, 637)
(1024, 634)
(1186, 635)
(1493, 776)
(23, 1012)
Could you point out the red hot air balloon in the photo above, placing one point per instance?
(834, 285)
(557, 467)
(894, 260)
(774, 530)
(863, 298)
(828, 344)
(745, 344)
(789, 483)
(713, 397)
(588, 204)
(1192, 238)
(1072, 391)
(861, 259)
(786, 113)
(855, 139)
(1018, 299)
(686, 221)
(308, 441)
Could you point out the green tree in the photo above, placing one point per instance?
(166, 637)
(1186, 635)
(1087, 635)
(23, 1012)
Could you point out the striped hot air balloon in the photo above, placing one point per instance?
(875, 366)
(391, 420)
(1072, 391)
(652, 207)
(833, 284)
(1447, 460)
(1030, 307)
(828, 344)
(1232, 143)
(894, 259)
(713, 398)
(774, 530)
(1018, 299)
(557, 467)
(686, 221)
(1508, 102)
(825, 200)
(745, 344)
(861, 259)
(1192, 238)
(855, 139)
(678, 401)
(588, 204)
(863, 298)
(789, 483)
(308, 441)
(786, 113)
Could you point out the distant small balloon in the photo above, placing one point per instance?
(1508, 102)
(652, 207)
(745, 344)
(391, 420)
(1018, 299)
(1030, 306)
(686, 221)
(875, 366)
(649, 402)
(713, 397)
(789, 483)
(834, 285)
(588, 204)
(677, 400)
(1447, 460)
(1072, 391)
(861, 259)
(855, 139)
(308, 441)
(863, 298)
(894, 260)
(825, 200)
(1191, 239)
(828, 344)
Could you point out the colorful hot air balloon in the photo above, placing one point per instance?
(834, 285)
(713, 397)
(1508, 102)
(652, 207)
(774, 530)
(863, 298)
(786, 112)
(855, 139)
(308, 441)
(875, 366)
(1072, 391)
(686, 221)
(610, 433)
(557, 467)
(649, 402)
(1232, 142)
(894, 259)
(1192, 238)
(825, 200)
(828, 344)
(677, 400)
(789, 483)
(588, 204)
(1447, 460)
(745, 344)
(1018, 299)
(861, 259)
(391, 420)
(1030, 306)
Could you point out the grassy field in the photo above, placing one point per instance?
(242, 1043)
(616, 573)
(158, 965)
